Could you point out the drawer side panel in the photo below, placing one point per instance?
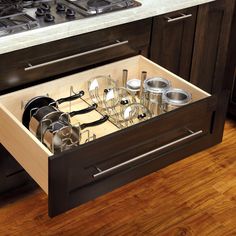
(24, 148)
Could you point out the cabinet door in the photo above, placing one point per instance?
(211, 45)
(172, 41)
(12, 174)
(232, 104)
(230, 71)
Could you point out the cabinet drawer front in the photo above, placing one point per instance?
(66, 176)
(52, 59)
(124, 151)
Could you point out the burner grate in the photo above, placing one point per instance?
(98, 3)
(16, 23)
(95, 7)
(9, 7)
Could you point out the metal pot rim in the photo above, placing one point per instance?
(176, 102)
(154, 89)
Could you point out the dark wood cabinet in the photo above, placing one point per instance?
(37, 64)
(117, 156)
(230, 72)
(211, 45)
(47, 61)
(172, 41)
(12, 174)
(232, 105)
(192, 43)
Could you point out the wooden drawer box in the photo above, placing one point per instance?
(116, 156)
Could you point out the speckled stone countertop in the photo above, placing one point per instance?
(149, 8)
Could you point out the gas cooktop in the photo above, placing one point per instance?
(21, 15)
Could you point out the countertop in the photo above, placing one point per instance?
(149, 8)
(195, 196)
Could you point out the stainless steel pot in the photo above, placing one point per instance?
(154, 88)
(61, 135)
(46, 115)
(41, 101)
(175, 98)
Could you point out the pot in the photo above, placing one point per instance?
(40, 101)
(154, 88)
(61, 135)
(175, 98)
(46, 115)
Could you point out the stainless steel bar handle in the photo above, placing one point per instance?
(104, 172)
(181, 17)
(118, 43)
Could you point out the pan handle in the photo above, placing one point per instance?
(94, 123)
(83, 111)
(70, 98)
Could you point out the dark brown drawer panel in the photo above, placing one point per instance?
(39, 62)
(95, 161)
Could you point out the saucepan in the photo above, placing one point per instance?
(46, 115)
(154, 89)
(61, 135)
(175, 98)
(41, 101)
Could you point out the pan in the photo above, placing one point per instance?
(41, 101)
(61, 135)
(46, 115)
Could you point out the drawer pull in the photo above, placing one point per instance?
(109, 170)
(181, 17)
(117, 44)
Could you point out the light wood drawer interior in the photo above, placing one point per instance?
(29, 151)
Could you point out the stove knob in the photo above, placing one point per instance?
(61, 7)
(45, 6)
(49, 18)
(70, 13)
(39, 12)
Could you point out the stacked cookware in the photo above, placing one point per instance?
(52, 126)
(135, 101)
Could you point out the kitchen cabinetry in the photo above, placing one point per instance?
(207, 49)
(230, 72)
(75, 176)
(39, 63)
(173, 40)
(232, 104)
(116, 156)
(11, 173)
(19, 69)
(193, 43)
(211, 44)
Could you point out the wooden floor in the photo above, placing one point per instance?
(196, 196)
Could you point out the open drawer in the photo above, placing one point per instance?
(116, 156)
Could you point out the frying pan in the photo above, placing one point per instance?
(61, 136)
(46, 115)
(41, 101)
